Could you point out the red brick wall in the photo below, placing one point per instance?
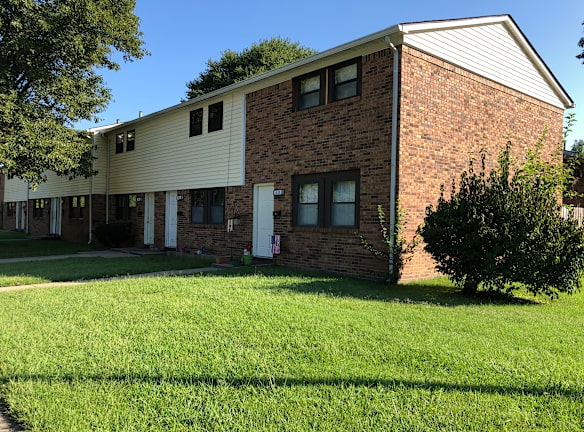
(344, 135)
(447, 115)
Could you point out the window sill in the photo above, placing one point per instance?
(323, 230)
(337, 103)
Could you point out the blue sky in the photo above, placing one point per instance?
(183, 34)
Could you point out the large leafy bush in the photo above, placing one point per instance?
(504, 230)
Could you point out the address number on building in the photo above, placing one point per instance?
(278, 192)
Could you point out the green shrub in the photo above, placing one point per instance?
(115, 234)
(505, 229)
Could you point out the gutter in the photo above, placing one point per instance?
(393, 181)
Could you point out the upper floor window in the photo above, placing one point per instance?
(344, 81)
(39, 205)
(215, 117)
(130, 140)
(76, 207)
(310, 90)
(120, 142)
(208, 206)
(196, 124)
(329, 200)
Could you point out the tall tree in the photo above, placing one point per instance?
(233, 66)
(578, 147)
(581, 45)
(50, 54)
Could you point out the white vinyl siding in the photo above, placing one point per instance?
(490, 51)
(15, 190)
(167, 158)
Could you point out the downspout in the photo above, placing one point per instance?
(26, 228)
(393, 181)
(107, 181)
(91, 191)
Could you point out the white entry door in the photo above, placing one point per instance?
(170, 220)
(56, 213)
(149, 218)
(263, 220)
(17, 218)
(23, 221)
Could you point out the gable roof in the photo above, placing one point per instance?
(493, 47)
(466, 42)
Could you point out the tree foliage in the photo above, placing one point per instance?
(504, 230)
(233, 67)
(50, 51)
(581, 45)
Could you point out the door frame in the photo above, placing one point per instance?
(256, 219)
(170, 220)
(56, 217)
(149, 199)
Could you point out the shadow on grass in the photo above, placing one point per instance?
(439, 291)
(291, 382)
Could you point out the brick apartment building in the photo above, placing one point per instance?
(308, 151)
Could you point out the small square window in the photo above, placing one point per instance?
(120, 142)
(215, 117)
(196, 124)
(345, 80)
(130, 140)
(39, 205)
(309, 90)
(208, 206)
(77, 207)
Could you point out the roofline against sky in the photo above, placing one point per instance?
(398, 29)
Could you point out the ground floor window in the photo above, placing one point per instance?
(10, 209)
(208, 206)
(329, 200)
(126, 207)
(77, 207)
(39, 205)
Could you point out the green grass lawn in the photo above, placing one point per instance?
(285, 352)
(71, 269)
(12, 235)
(28, 248)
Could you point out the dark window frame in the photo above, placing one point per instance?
(331, 79)
(297, 85)
(196, 122)
(126, 207)
(120, 142)
(325, 183)
(37, 208)
(10, 208)
(131, 140)
(77, 207)
(215, 120)
(207, 197)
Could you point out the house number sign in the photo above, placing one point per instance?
(278, 192)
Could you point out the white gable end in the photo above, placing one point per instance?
(490, 51)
